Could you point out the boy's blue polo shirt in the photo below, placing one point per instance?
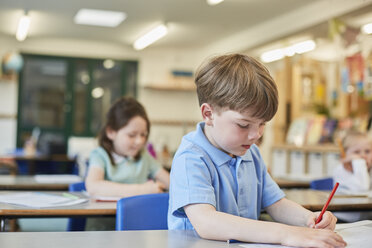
(201, 173)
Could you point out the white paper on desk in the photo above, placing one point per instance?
(356, 235)
(39, 200)
(65, 178)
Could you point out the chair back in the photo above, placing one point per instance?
(142, 212)
(76, 224)
(76, 187)
(322, 184)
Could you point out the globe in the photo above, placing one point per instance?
(12, 63)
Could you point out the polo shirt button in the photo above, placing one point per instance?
(241, 191)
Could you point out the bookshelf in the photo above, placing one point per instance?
(311, 161)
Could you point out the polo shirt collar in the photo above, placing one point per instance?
(118, 158)
(217, 156)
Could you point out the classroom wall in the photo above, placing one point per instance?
(154, 68)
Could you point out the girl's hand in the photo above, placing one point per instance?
(347, 162)
(310, 237)
(152, 187)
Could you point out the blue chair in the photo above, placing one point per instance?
(76, 224)
(142, 212)
(76, 187)
(322, 184)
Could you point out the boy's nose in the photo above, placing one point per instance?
(254, 134)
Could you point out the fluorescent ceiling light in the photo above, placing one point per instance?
(367, 28)
(214, 2)
(150, 37)
(299, 48)
(97, 17)
(23, 27)
(303, 47)
(272, 55)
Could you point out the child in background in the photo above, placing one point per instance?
(219, 183)
(121, 166)
(355, 171)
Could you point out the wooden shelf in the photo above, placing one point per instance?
(8, 116)
(8, 78)
(308, 148)
(170, 88)
(173, 123)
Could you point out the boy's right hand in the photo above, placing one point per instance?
(310, 237)
(152, 187)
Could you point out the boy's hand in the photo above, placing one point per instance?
(309, 237)
(328, 221)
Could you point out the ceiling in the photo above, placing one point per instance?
(192, 23)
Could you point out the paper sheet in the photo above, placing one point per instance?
(57, 178)
(39, 200)
(356, 235)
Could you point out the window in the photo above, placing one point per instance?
(70, 96)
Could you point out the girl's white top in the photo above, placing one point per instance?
(358, 181)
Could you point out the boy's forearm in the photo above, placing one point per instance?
(211, 224)
(289, 212)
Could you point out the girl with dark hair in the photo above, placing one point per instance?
(121, 166)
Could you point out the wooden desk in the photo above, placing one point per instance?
(314, 200)
(8, 182)
(291, 183)
(112, 239)
(87, 209)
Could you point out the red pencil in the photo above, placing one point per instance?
(327, 203)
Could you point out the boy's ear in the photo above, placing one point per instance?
(207, 113)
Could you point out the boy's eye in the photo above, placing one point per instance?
(243, 126)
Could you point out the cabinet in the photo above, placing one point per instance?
(314, 161)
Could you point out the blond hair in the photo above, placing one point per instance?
(351, 136)
(237, 82)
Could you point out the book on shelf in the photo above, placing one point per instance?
(328, 131)
(314, 130)
(297, 132)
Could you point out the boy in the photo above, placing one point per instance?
(219, 183)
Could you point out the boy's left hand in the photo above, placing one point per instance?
(328, 221)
